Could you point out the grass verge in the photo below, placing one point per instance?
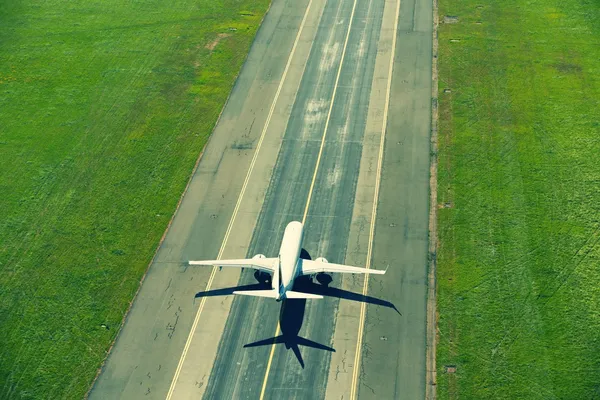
(519, 197)
(104, 108)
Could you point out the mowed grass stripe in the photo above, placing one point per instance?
(519, 191)
(104, 108)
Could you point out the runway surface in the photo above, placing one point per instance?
(300, 138)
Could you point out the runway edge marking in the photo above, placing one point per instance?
(363, 307)
(314, 177)
(237, 206)
(430, 362)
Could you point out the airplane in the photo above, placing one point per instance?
(285, 268)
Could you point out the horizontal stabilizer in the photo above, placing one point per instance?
(272, 294)
(298, 295)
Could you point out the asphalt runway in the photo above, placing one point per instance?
(303, 126)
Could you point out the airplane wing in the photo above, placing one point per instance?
(310, 267)
(261, 264)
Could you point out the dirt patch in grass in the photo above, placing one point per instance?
(568, 68)
(211, 46)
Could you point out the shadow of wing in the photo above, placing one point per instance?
(346, 294)
(230, 290)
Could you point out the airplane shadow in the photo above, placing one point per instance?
(291, 314)
(291, 317)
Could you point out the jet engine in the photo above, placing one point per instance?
(261, 276)
(323, 278)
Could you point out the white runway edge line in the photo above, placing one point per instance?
(363, 306)
(314, 177)
(237, 206)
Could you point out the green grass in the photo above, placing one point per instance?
(519, 175)
(104, 108)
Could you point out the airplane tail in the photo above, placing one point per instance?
(299, 295)
(272, 294)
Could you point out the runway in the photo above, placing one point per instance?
(300, 139)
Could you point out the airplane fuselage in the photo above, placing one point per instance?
(289, 258)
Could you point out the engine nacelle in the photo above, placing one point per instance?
(258, 256)
(322, 259)
(262, 277)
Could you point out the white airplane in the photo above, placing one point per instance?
(286, 267)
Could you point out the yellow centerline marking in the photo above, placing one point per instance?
(264, 385)
(314, 178)
(363, 306)
(237, 207)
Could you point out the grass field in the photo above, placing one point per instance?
(519, 191)
(104, 108)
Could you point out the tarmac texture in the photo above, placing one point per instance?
(299, 139)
